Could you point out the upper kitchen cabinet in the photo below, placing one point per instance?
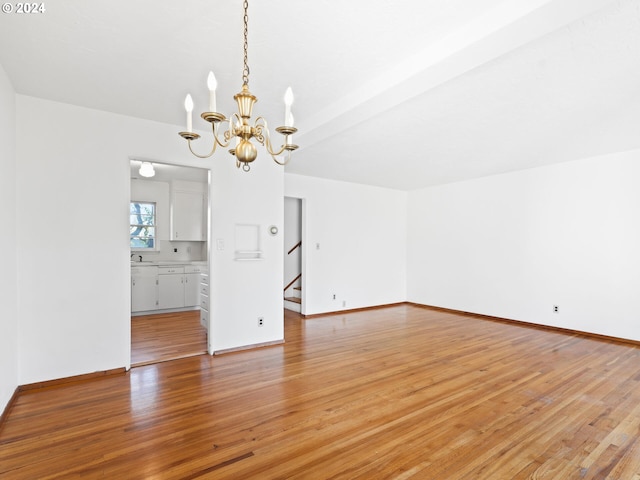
(188, 211)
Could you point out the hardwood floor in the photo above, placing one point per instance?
(396, 393)
(166, 336)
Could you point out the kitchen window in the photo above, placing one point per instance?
(142, 219)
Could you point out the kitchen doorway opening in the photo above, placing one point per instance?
(169, 220)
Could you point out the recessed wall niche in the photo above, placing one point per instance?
(247, 243)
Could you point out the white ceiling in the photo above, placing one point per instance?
(396, 93)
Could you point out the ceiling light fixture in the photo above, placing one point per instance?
(146, 169)
(238, 124)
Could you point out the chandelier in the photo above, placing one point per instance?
(238, 125)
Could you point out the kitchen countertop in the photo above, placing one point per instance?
(161, 263)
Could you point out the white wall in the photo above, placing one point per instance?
(514, 245)
(73, 278)
(361, 234)
(242, 291)
(8, 243)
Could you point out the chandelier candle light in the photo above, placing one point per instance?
(239, 126)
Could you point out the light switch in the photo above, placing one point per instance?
(220, 243)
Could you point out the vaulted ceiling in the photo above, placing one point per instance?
(396, 93)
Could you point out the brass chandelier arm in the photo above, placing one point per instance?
(216, 142)
(283, 163)
(270, 149)
(215, 134)
(264, 137)
(202, 156)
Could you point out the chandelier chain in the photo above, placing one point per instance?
(245, 71)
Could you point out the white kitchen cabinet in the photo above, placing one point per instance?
(166, 287)
(144, 289)
(191, 290)
(179, 286)
(204, 300)
(188, 216)
(192, 285)
(170, 287)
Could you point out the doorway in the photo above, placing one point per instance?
(169, 219)
(293, 255)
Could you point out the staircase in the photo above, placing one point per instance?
(297, 292)
(293, 290)
(293, 295)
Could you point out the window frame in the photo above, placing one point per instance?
(155, 247)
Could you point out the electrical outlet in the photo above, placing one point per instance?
(334, 296)
(260, 321)
(555, 309)
(344, 303)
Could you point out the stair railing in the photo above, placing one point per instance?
(292, 282)
(299, 244)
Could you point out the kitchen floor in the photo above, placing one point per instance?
(166, 336)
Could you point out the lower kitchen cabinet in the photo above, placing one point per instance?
(170, 287)
(191, 290)
(165, 287)
(144, 289)
(204, 300)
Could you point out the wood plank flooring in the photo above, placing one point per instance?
(397, 393)
(166, 336)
